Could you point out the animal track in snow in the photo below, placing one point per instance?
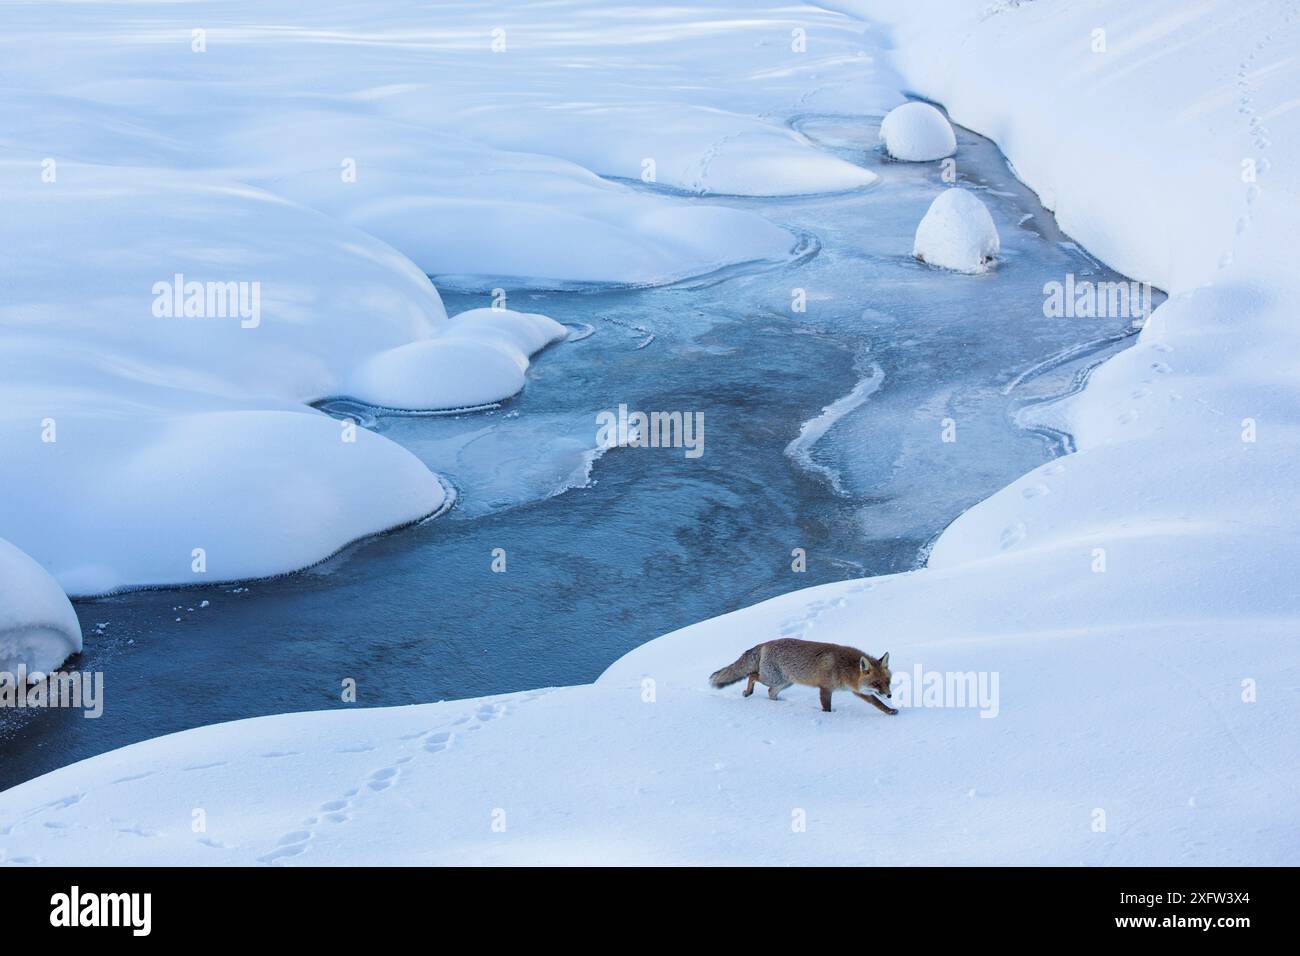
(291, 844)
(136, 829)
(1013, 534)
(436, 743)
(382, 779)
(134, 777)
(1259, 137)
(334, 813)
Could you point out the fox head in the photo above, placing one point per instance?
(874, 674)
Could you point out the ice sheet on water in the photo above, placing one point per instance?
(500, 459)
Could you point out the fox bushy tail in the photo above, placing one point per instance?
(745, 665)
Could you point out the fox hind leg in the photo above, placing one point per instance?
(774, 690)
(772, 675)
(749, 689)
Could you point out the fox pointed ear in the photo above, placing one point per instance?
(884, 661)
(864, 663)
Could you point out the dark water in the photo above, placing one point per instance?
(650, 540)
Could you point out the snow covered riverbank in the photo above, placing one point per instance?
(211, 221)
(1136, 599)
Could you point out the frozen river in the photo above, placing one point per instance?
(850, 433)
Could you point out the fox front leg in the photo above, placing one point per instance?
(826, 698)
(877, 703)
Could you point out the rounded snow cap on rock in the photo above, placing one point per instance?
(957, 233)
(39, 629)
(917, 133)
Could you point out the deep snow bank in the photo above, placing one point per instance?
(476, 150)
(465, 210)
(1135, 600)
(38, 627)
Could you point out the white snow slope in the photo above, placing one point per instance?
(1137, 600)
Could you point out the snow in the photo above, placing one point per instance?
(522, 332)
(464, 210)
(695, 149)
(38, 627)
(957, 233)
(469, 160)
(917, 133)
(1136, 599)
(192, 430)
(480, 359)
(327, 161)
(690, 775)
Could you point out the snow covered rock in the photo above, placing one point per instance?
(479, 359)
(160, 336)
(957, 233)
(38, 628)
(520, 333)
(917, 133)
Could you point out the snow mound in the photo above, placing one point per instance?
(121, 409)
(917, 133)
(706, 151)
(957, 233)
(521, 333)
(474, 213)
(479, 359)
(38, 628)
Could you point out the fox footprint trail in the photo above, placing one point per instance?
(374, 784)
(1260, 138)
(803, 625)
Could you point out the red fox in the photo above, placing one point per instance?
(829, 667)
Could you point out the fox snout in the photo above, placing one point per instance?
(878, 688)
